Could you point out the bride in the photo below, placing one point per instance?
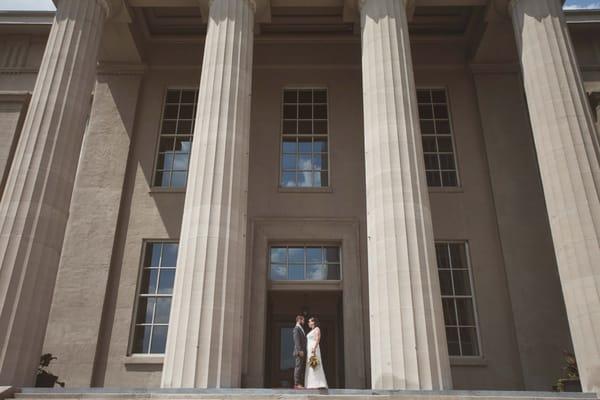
(315, 377)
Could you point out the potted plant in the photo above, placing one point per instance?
(44, 378)
(570, 381)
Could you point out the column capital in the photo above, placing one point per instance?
(252, 3)
(361, 3)
(111, 7)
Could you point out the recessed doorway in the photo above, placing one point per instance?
(283, 306)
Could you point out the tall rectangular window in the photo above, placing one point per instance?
(155, 292)
(305, 139)
(175, 143)
(436, 130)
(457, 298)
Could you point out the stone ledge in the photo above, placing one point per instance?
(272, 394)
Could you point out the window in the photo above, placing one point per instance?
(305, 144)
(457, 298)
(305, 263)
(175, 141)
(154, 298)
(436, 130)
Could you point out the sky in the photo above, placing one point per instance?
(47, 4)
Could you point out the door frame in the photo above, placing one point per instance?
(332, 327)
(345, 232)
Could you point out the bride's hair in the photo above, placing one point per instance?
(315, 320)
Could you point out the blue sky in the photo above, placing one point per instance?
(47, 4)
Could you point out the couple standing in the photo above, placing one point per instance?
(308, 371)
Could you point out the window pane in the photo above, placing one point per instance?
(449, 311)
(458, 254)
(320, 112)
(320, 146)
(425, 111)
(179, 179)
(290, 111)
(320, 96)
(468, 341)
(434, 179)
(289, 162)
(316, 272)
(429, 144)
(188, 96)
(305, 96)
(332, 254)
(296, 272)
(305, 179)
(149, 281)
(278, 272)
(320, 127)
(290, 96)
(159, 340)
(305, 162)
(290, 146)
(169, 257)
(145, 310)
(443, 257)
(462, 284)
(290, 127)
(305, 112)
(305, 145)
(296, 255)
(333, 272)
(466, 315)
(446, 282)
(186, 112)
(173, 96)
(163, 309)
(453, 344)
(288, 179)
(166, 281)
(314, 255)
(278, 255)
(141, 339)
(305, 127)
(153, 256)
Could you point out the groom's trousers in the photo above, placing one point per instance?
(299, 371)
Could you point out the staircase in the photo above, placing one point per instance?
(269, 394)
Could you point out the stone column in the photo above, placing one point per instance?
(204, 345)
(408, 341)
(35, 205)
(568, 153)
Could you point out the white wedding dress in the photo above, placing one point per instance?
(315, 377)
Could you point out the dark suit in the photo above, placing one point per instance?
(299, 347)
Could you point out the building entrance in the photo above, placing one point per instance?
(283, 306)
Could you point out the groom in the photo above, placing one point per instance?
(299, 352)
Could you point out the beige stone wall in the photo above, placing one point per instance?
(469, 213)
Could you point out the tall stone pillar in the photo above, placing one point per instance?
(204, 345)
(35, 205)
(408, 342)
(568, 155)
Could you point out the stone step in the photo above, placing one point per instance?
(274, 394)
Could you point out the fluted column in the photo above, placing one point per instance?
(568, 155)
(35, 205)
(204, 344)
(408, 341)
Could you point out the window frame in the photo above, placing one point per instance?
(459, 184)
(462, 358)
(138, 296)
(281, 136)
(305, 282)
(170, 188)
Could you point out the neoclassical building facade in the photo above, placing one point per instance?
(180, 178)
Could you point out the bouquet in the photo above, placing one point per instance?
(313, 362)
